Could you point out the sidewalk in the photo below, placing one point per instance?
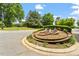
(75, 31)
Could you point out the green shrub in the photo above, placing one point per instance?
(62, 27)
(17, 25)
(66, 21)
(0, 24)
(65, 30)
(72, 40)
(30, 39)
(77, 27)
(33, 23)
(8, 23)
(45, 44)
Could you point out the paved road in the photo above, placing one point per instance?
(77, 36)
(76, 32)
(10, 43)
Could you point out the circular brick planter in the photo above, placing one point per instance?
(47, 51)
(61, 37)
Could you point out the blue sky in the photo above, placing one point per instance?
(63, 10)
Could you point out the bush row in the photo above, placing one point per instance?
(60, 27)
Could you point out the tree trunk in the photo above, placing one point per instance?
(2, 21)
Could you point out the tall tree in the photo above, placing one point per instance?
(68, 22)
(57, 19)
(33, 19)
(11, 12)
(78, 22)
(2, 12)
(47, 19)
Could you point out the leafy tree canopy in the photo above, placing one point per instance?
(47, 19)
(33, 19)
(11, 12)
(67, 22)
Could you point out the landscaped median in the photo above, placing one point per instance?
(52, 39)
(48, 51)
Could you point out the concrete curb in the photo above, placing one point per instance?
(48, 51)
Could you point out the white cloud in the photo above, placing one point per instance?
(75, 9)
(72, 17)
(39, 7)
(56, 16)
(39, 12)
(76, 2)
(75, 12)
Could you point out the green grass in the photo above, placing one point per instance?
(17, 28)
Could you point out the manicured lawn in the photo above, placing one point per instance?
(18, 28)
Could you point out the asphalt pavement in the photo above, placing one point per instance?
(11, 45)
